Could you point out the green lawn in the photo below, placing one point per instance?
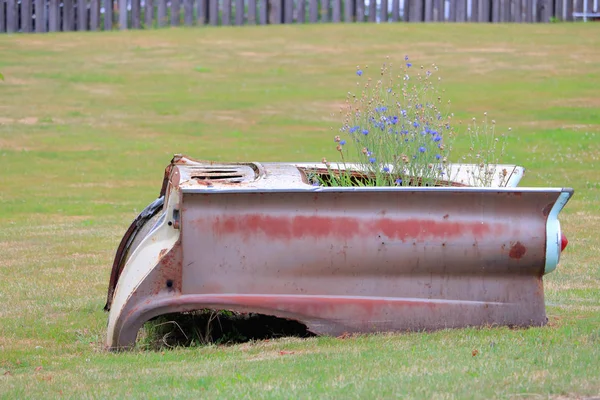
(88, 122)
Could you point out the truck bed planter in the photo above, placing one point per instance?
(259, 237)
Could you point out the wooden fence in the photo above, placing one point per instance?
(85, 15)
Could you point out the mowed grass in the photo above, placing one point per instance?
(88, 122)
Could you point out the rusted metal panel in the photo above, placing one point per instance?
(260, 238)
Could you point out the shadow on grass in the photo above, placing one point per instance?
(219, 327)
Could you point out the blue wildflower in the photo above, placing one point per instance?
(354, 129)
(365, 131)
(372, 160)
(406, 58)
(408, 65)
(386, 169)
(315, 183)
(342, 142)
(437, 138)
(381, 109)
(394, 120)
(403, 112)
(359, 72)
(437, 156)
(416, 124)
(398, 182)
(422, 149)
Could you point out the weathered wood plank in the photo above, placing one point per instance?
(82, 16)
(275, 11)
(360, 10)
(559, 10)
(301, 13)
(148, 14)
(349, 10)
(517, 11)
(313, 11)
(251, 20)
(136, 14)
(108, 14)
(11, 16)
(161, 13)
(383, 11)
(325, 5)
(569, 10)
(288, 11)
(528, 6)
(484, 11)
(94, 15)
(2, 17)
(336, 6)
(546, 10)
(188, 12)
(239, 12)
(461, 10)
(474, 11)
(415, 11)
(68, 15)
(395, 10)
(25, 16)
(372, 17)
(40, 15)
(263, 12)
(226, 16)
(201, 12)
(508, 11)
(439, 13)
(429, 11)
(176, 12)
(452, 11)
(122, 14)
(495, 11)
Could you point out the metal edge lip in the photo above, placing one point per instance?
(553, 231)
(313, 189)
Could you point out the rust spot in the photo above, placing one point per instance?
(162, 253)
(287, 228)
(446, 216)
(517, 251)
(547, 209)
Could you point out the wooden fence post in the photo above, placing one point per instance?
(251, 12)
(25, 16)
(136, 14)
(11, 16)
(396, 10)
(161, 13)
(40, 16)
(188, 12)
(461, 10)
(2, 15)
(325, 11)
(122, 14)
(67, 15)
(383, 11)
(349, 11)
(108, 14)
(148, 14)
(176, 12)
(569, 10)
(263, 12)
(360, 10)
(82, 15)
(288, 11)
(226, 16)
(336, 11)
(301, 14)
(416, 10)
(313, 11)
(239, 12)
